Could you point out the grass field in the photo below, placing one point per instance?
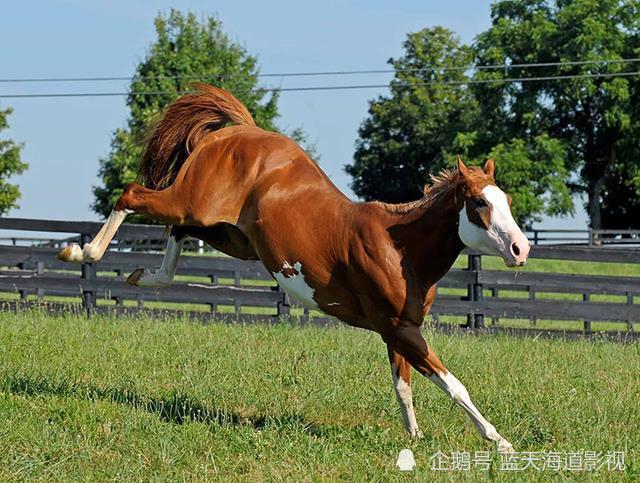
(132, 399)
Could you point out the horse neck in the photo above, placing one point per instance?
(428, 235)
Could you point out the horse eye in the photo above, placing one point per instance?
(479, 203)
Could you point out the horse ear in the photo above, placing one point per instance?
(489, 168)
(462, 168)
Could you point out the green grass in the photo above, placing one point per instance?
(135, 399)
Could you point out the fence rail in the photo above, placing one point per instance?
(149, 237)
(588, 237)
(211, 283)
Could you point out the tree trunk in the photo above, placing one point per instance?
(595, 188)
(595, 216)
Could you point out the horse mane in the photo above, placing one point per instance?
(439, 184)
(182, 125)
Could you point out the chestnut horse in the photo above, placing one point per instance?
(255, 194)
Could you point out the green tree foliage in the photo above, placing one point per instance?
(407, 134)
(185, 50)
(533, 173)
(10, 165)
(550, 137)
(432, 115)
(594, 118)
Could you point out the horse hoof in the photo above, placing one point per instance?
(504, 447)
(90, 253)
(135, 276)
(70, 253)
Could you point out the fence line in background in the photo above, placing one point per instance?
(148, 237)
(248, 287)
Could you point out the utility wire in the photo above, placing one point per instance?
(324, 73)
(342, 87)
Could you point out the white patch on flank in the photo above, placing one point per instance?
(405, 399)
(456, 390)
(333, 303)
(295, 285)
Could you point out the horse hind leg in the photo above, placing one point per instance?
(143, 277)
(94, 250)
(159, 205)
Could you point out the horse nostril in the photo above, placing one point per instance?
(515, 249)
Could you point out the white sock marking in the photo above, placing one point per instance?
(456, 390)
(405, 399)
(94, 250)
(167, 271)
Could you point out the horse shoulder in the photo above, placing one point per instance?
(378, 265)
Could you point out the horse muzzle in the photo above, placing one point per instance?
(516, 250)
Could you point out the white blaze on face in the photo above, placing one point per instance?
(503, 232)
(295, 285)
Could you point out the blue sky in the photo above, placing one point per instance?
(65, 137)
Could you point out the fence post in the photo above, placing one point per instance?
(23, 293)
(284, 307)
(629, 302)
(495, 320)
(88, 273)
(475, 291)
(587, 323)
(39, 291)
(532, 296)
(214, 281)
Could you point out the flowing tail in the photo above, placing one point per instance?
(182, 126)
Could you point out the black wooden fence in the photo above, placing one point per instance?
(245, 289)
(586, 237)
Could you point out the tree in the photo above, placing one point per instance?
(407, 134)
(432, 115)
(185, 50)
(10, 165)
(592, 114)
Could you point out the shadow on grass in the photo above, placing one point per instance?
(175, 408)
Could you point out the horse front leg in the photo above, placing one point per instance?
(143, 277)
(408, 341)
(401, 376)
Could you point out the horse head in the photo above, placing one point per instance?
(486, 222)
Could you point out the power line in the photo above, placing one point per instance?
(341, 87)
(325, 73)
